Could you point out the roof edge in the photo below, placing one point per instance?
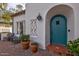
(18, 13)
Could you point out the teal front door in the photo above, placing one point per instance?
(58, 30)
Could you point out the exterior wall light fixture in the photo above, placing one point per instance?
(39, 17)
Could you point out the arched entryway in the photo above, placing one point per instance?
(67, 15)
(58, 30)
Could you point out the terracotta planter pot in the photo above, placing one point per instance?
(34, 48)
(25, 44)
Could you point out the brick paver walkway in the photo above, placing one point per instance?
(9, 49)
(59, 50)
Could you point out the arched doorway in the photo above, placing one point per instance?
(67, 14)
(58, 30)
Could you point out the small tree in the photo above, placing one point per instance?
(19, 7)
(5, 15)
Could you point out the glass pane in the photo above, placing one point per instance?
(57, 22)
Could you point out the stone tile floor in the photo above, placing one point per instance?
(9, 49)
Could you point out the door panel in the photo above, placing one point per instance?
(58, 30)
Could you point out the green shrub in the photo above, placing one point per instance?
(73, 46)
(24, 37)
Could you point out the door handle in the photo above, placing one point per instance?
(68, 30)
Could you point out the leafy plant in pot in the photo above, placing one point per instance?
(25, 41)
(34, 47)
(73, 46)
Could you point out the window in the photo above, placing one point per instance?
(20, 27)
(57, 22)
(17, 28)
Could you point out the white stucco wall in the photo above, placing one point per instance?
(17, 19)
(32, 11)
(76, 21)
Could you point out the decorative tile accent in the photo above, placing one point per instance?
(34, 27)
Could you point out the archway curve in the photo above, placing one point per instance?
(56, 6)
(69, 6)
(62, 9)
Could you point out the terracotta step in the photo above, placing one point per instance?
(58, 49)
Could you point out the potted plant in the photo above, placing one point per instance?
(73, 46)
(25, 41)
(34, 47)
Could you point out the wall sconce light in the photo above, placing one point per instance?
(39, 17)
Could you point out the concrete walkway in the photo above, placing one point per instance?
(9, 49)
